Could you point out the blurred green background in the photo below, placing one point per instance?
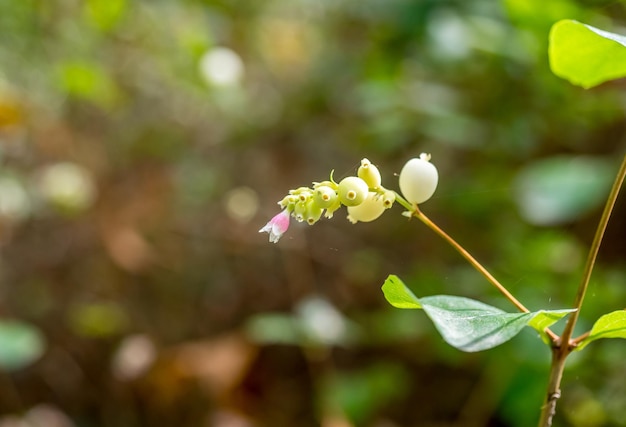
(144, 143)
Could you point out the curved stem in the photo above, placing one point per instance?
(478, 266)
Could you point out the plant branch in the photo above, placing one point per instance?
(593, 253)
(565, 344)
(554, 387)
(575, 341)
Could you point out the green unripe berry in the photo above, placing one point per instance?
(324, 196)
(372, 207)
(300, 211)
(332, 208)
(352, 191)
(369, 173)
(313, 212)
(304, 196)
(388, 198)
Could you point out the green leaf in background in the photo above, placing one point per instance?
(315, 322)
(611, 325)
(584, 55)
(20, 345)
(274, 328)
(363, 392)
(87, 80)
(97, 319)
(561, 189)
(467, 324)
(105, 14)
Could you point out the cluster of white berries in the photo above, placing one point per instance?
(363, 195)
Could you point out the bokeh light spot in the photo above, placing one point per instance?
(222, 67)
(242, 203)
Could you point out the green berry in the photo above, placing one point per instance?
(324, 196)
(372, 207)
(352, 191)
(369, 173)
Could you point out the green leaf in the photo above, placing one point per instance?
(470, 325)
(584, 55)
(467, 324)
(20, 345)
(398, 294)
(545, 318)
(611, 325)
(560, 189)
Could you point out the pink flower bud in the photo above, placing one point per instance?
(277, 226)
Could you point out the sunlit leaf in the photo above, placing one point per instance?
(584, 55)
(611, 325)
(546, 318)
(398, 294)
(20, 345)
(467, 324)
(561, 189)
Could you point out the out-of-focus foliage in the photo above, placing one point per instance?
(144, 143)
(560, 190)
(20, 345)
(585, 55)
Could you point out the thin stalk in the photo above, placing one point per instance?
(593, 253)
(565, 344)
(413, 210)
(478, 266)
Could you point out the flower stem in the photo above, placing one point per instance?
(418, 214)
(413, 210)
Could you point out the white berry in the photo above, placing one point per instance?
(418, 179)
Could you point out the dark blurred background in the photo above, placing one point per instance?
(143, 144)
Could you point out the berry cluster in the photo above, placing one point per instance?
(363, 195)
